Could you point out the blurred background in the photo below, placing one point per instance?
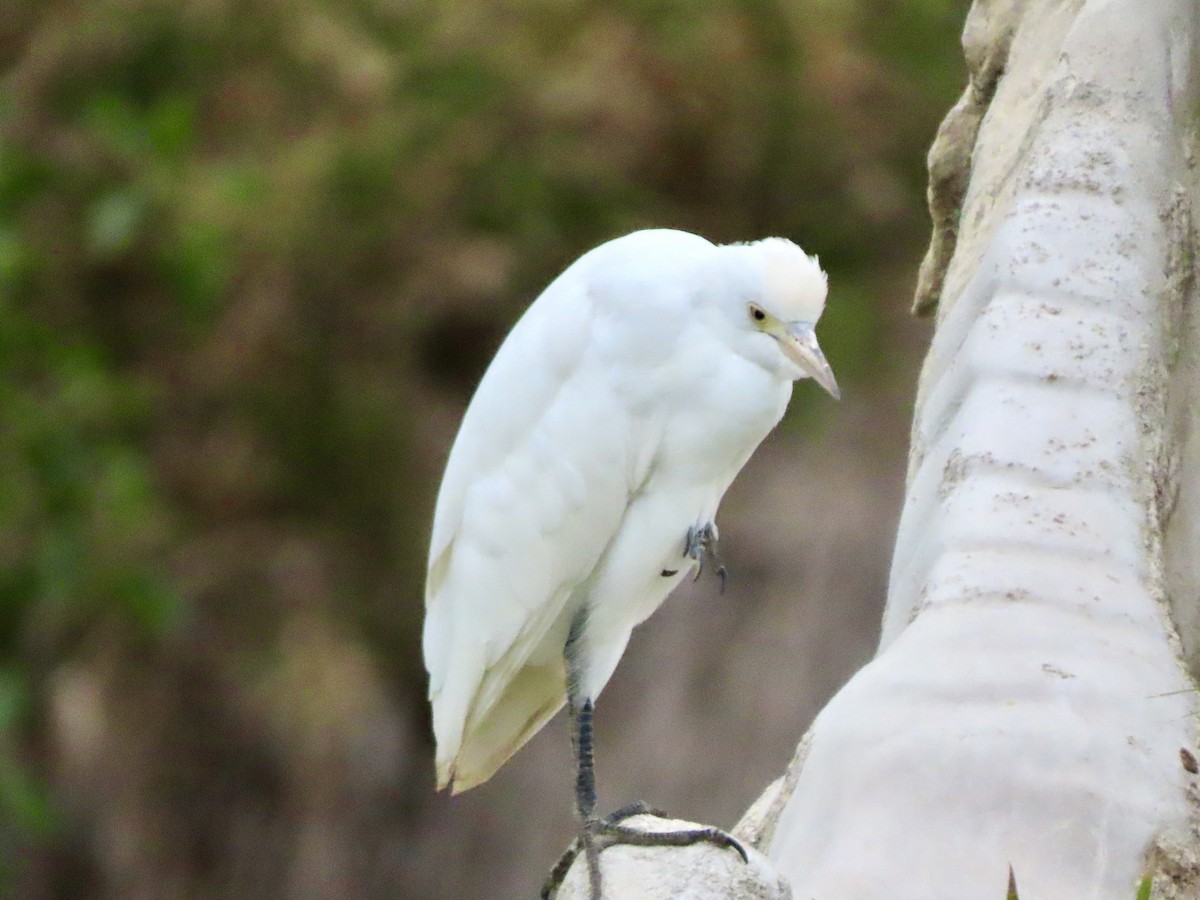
(254, 256)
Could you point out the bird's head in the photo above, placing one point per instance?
(787, 296)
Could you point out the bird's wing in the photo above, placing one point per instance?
(534, 490)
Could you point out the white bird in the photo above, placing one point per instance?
(585, 479)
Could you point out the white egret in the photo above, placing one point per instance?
(584, 481)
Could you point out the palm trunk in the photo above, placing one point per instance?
(1030, 697)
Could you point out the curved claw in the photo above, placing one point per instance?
(701, 545)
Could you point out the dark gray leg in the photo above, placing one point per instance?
(595, 834)
(579, 709)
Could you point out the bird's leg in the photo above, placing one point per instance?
(701, 545)
(610, 831)
(597, 834)
(585, 793)
(579, 708)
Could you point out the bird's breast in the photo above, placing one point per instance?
(720, 421)
(686, 459)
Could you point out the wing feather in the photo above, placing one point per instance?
(534, 490)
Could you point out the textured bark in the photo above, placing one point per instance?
(1030, 700)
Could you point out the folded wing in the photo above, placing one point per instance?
(534, 491)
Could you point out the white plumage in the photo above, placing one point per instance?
(612, 419)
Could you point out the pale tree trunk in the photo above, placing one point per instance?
(1030, 699)
(1030, 704)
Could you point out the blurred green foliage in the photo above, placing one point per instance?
(80, 521)
(248, 251)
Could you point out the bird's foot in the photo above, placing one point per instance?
(701, 545)
(598, 834)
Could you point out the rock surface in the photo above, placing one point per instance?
(698, 872)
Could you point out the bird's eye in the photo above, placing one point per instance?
(756, 313)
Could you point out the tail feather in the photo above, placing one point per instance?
(529, 701)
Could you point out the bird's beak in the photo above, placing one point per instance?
(799, 343)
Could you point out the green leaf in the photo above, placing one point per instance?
(152, 606)
(198, 265)
(24, 800)
(14, 699)
(114, 222)
(13, 255)
(171, 126)
(1145, 887)
(1012, 885)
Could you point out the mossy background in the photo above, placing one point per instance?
(254, 256)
